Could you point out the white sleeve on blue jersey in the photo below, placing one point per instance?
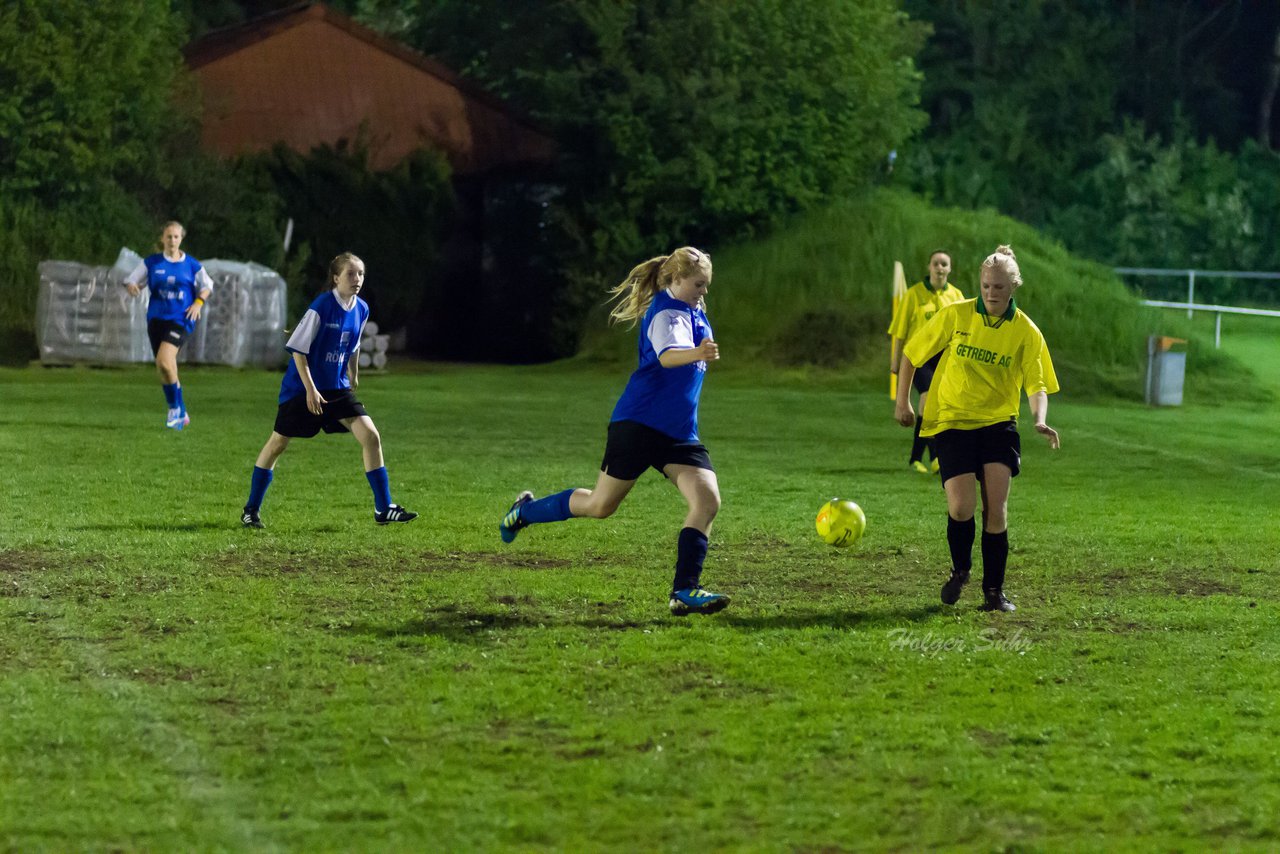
(360, 335)
(203, 281)
(138, 276)
(305, 333)
(671, 330)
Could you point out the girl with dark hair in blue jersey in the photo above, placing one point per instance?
(179, 287)
(655, 422)
(318, 391)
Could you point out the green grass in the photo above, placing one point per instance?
(818, 292)
(169, 681)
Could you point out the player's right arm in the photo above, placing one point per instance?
(903, 412)
(315, 403)
(299, 345)
(133, 281)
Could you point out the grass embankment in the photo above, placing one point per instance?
(818, 291)
(169, 681)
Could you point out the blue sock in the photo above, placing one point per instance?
(178, 394)
(381, 486)
(691, 551)
(171, 395)
(553, 508)
(258, 487)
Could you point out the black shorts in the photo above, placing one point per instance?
(924, 374)
(966, 451)
(633, 447)
(294, 420)
(165, 332)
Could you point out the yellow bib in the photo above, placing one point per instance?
(986, 363)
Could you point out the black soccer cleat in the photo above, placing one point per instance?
(993, 600)
(394, 513)
(249, 519)
(951, 590)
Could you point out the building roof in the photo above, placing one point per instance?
(307, 76)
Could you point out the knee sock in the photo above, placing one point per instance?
(171, 395)
(178, 396)
(258, 487)
(381, 486)
(960, 539)
(917, 444)
(552, 508)
(691, 552)
(931, 444)
(995, 556)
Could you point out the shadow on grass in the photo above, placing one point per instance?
(164, 527)
(454, 624)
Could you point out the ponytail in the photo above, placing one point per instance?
(636, 291)
(645, 280)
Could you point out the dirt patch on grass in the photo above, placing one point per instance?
(1176, 581)
(988, 739)
(267, 564)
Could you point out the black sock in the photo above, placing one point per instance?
(917, 444)
(930, 442)
(691, 551)
(995, 555)
(960, 538)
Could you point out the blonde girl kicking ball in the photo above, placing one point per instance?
(655, 422)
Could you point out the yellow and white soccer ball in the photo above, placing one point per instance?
(841, 522)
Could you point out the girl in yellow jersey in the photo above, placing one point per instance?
(990, 352)
(920, 303)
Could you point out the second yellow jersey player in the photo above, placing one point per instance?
(919, 304)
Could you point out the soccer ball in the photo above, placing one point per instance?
(841, 522)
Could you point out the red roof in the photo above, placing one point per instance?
(308, 76)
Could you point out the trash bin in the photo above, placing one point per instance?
(1166, 368)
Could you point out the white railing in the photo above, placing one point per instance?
(1219, 309)
(1191, 305)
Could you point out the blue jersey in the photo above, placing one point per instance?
(174, 286)
(666, 399)
(329, 336)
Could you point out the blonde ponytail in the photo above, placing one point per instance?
(645, 280)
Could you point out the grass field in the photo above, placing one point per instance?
(171, 681)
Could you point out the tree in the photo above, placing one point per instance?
(85, 93)
(693, 121)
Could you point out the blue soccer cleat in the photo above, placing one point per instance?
(695, 600)
(512, 523)
(175, 419)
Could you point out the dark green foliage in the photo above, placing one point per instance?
(692, 121)
(394, 220)
(101, 146)
(85, 93)
(1097, 121)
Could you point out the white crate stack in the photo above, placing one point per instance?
(84, 314)
(373, 347)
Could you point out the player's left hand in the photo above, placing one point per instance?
(1050, 434)
(193, 311)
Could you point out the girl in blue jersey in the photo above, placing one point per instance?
(318, 391)
(655, 422)
(179, 287)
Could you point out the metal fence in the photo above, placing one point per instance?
(1191, 305)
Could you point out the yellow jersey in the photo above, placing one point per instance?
(919, 304)
(986, 362)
